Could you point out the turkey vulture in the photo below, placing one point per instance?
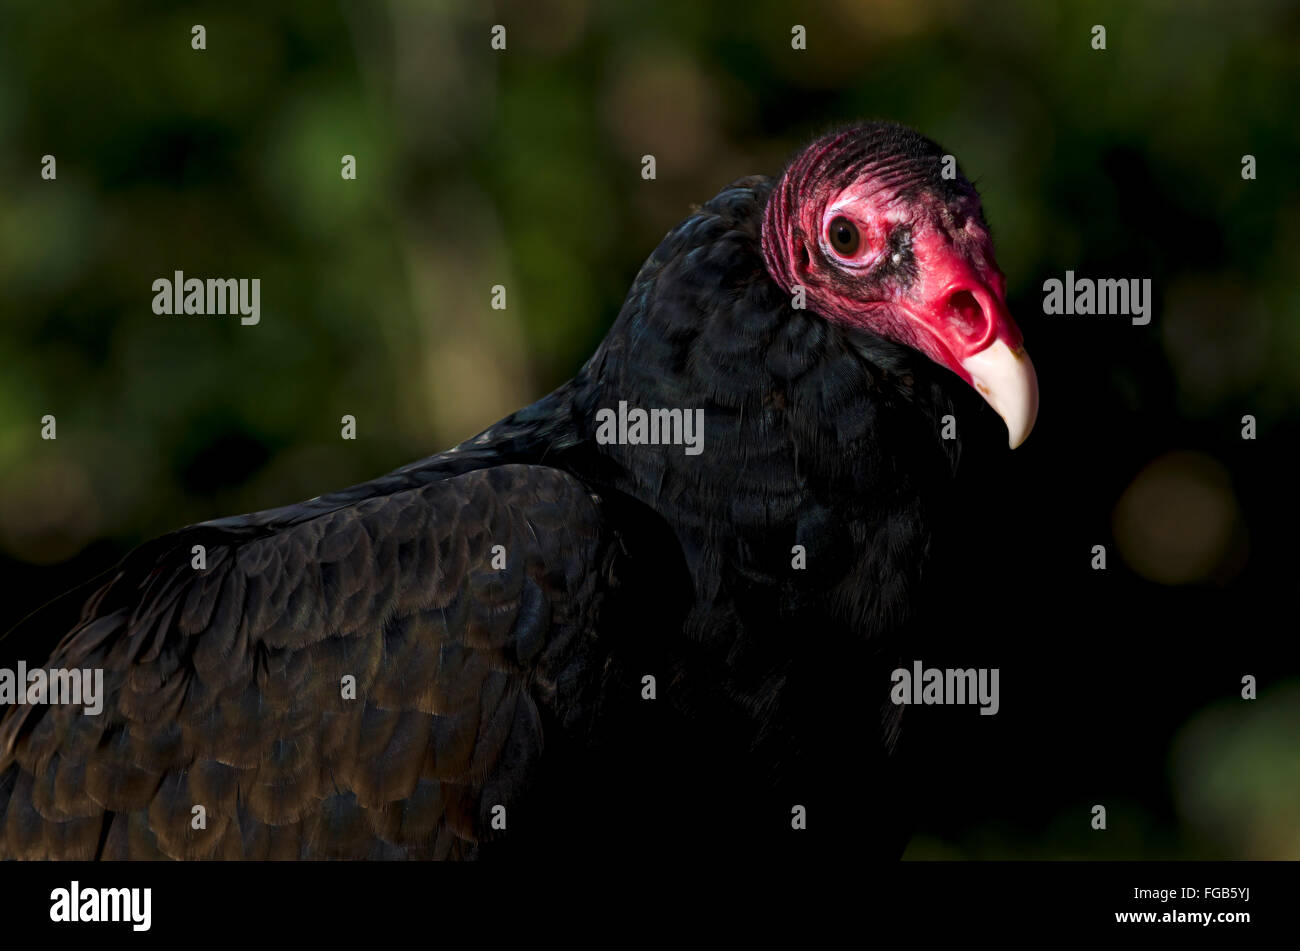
(654, 611)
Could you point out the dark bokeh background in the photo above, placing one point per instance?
(523, 167)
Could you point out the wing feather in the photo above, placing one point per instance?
(225, 685)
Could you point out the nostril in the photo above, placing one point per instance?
(967, 315)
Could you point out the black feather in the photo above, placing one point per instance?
(478, 686)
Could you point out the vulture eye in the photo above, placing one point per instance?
(843, 236)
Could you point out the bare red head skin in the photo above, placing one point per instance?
(866, 221)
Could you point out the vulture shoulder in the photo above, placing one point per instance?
(363, 676)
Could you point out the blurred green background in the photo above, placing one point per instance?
(523, 167)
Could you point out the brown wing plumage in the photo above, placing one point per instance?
(225, 687)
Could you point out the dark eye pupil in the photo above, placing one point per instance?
(844, 235)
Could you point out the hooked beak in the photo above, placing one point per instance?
(968, 329)
(1005, 377)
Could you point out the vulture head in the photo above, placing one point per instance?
(883, 233)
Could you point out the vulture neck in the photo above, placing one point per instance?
(765, 407)
(805, 436)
